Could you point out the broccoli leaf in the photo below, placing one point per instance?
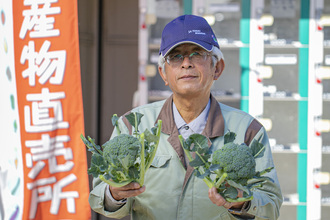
(157, 128)
(197, 162)
(238, 186)
(98, 165)
(199, 143)
(134, 119)
(229, 137)
(114, 120)
(184, 144)
(90, 144)
(150, 137)
(214, 167)
(204, 174)
(257, 149)
(133, 173)
(230, 192)
(267, 170)
(125, 162)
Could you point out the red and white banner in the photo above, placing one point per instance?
(43, 168)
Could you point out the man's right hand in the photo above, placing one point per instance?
(130, 190)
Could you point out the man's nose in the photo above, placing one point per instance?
(186, 62)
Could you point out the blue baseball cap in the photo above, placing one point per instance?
(187, 29)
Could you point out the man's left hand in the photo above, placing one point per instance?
(217, 199)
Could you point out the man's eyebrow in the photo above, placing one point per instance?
(174, 51)
(197, 48)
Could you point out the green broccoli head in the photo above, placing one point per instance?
(120, 149)
(237, 161)
(123, 155)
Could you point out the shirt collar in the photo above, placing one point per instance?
(198, 124)
(177, 117)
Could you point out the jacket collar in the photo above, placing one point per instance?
(214, 126)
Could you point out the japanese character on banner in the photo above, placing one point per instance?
(46, 65)
(48, 149)
(42, 192)
(36, 20)
(44, 106)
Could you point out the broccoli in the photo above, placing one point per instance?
(125, 158)
(237, 161)
(228, 168)
(122, 153)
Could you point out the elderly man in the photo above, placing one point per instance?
(190, 60)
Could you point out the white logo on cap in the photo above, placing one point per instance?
(196, 32)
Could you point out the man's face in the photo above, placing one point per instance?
(190, 78)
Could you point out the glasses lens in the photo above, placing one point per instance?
(195, 57)
(175, 59)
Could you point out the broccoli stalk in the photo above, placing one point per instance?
(157, 134)
(125, 158)
(233, 165)
(222, 178)
(145, 164)
(142, 163)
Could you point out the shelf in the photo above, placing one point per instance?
(288, 96)
(325, 201)
(325, 149)
(294, 149)
(290, 148)
(282, 44)
(293, 200)
(283, 96)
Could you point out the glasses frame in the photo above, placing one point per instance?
(170, 59)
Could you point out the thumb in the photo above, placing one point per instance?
(239, 193)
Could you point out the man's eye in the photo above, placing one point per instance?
(196, 54)
(176, 56)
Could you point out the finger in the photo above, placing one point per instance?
(215, 197)
(119, 194)
(130, 186)
(213, 194)
(227, 205)
(212, 191)
(130, 190)
(239, 193)
(130, 193)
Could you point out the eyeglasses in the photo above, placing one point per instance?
(175, 60)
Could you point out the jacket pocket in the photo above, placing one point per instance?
(160, 161)
(225, 216)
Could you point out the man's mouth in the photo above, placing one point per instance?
(188, 77)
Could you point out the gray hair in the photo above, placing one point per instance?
(216, 57)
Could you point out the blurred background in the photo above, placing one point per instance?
(277, 56)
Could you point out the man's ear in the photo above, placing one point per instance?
(163, 75)
(219, 67)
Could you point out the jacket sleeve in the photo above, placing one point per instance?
(96, 201)
(268, 199)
